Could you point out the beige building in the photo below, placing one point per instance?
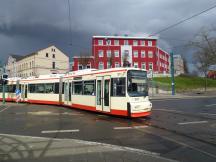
(178, 64)
(49, 60)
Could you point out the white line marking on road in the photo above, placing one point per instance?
(140, 126)
(210, 105)
(4, 109)
(121, 128)
(193, 122)
(60, 131)
(134, 127)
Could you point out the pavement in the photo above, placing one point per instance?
(197, 94)
(179, 129)
(27, 148)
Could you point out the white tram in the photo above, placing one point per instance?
(118, 91)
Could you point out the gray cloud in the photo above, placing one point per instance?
(26, 25)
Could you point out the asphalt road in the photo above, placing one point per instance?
(179, 129)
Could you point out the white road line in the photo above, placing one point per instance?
(121, 128)
(193, 122)
(134, 127)
(4, 109)
(60, 131)
(140, 126)
(210, 105)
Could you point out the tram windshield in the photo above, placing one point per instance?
(137, 83)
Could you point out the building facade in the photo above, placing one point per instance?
(178, 64)
(125, 51)
(49, 60)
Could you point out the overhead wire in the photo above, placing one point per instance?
(184, 20)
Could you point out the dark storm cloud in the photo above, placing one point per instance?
(26, 25)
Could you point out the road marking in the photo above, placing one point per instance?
(4, 109)
(193, 122)
(134, 127)
(95, 144)
(60, 131)
(121, 128)
(210, 105)
(140, 126)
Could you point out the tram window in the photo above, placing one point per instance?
(77, 88)
(62, 88)
(56, 91)
(1, 88)
(32, 88)
(89, 87)
(118, 86)
(39, 88)
(10, 88)
(49, 88)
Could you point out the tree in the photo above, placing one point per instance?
(185, 64)
(205, 54)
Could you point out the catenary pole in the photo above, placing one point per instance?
(172, 73)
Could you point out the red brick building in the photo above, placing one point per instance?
(120, 51)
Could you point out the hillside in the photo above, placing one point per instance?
(185, 83)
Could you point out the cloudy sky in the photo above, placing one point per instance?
(28, 25)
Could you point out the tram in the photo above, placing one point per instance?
(116, 91)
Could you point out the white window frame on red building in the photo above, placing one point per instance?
(136, 64)
(151, 64)
(143, 67)
(116, 53)
(149, 43)
(117, 64)
(101, 53)
(142, 43)
(108, 53)
(100, 42)
(135, 53)
(143, 54)
(150, 54)
(116, 42)
(101, 64)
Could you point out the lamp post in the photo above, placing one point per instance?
(172, 73)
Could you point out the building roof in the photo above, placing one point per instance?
(127, 37)
(17, 57)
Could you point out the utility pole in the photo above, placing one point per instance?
(172, 73)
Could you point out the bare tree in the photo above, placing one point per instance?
(205, 54)
(185, 64)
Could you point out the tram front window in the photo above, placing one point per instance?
(137, 83)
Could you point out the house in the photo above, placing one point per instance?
(50, 60)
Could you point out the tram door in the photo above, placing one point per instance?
(103, 93)
(24, 92)
(67, 92)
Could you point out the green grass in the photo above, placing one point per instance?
(185, 83)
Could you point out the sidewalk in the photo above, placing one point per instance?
(26, 148)
(183, 95)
